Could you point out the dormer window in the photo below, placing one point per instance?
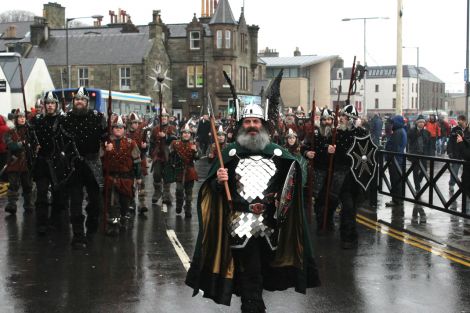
(223, 39)
(195, 40)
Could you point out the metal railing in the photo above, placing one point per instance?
(411, 171)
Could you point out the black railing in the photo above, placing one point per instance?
(429, 177)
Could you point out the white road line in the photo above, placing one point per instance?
(179, 248)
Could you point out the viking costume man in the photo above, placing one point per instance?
(221, 137)
(122, 162)
(183, 153)
(136, 132)
(19, 163)
(259, 240)
(84, 129)
(45, 172)
(160, 141)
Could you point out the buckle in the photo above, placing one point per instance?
(256, 208)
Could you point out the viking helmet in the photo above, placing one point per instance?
(290, 112)
(253, 110)
(291, 133)
(165, 113)
(133, 117)
(81, 93)
(221, 131)
(327, 113)
(186, 128)
(50, 97)
(116, 121)
(350, 111)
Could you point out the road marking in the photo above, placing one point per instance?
(414, 241)
(179, 248)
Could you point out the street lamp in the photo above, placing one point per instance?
(365, 63)
(69, 74)
(418, 89)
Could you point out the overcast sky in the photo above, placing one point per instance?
(315, 26)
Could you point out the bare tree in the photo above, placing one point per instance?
(16, 16)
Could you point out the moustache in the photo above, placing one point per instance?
(252, 129)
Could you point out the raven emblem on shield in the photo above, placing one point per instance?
(364, 163)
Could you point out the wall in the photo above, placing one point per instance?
(5, 97)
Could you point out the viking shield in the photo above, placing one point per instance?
(364, 164)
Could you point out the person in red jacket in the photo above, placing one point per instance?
(432, 126)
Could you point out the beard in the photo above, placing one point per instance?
(79, 111)
(325, 130)
(253, 143)
(348, 126)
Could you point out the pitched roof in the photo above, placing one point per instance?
(223, 14)
(22, 28)
(93, 45)
(179, 30)
(298, 61)
(11, 70)
(389, 71)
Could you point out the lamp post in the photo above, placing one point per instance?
(69, 74)
(365, 63)
(418, 89)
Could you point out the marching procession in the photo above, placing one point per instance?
(271, 174)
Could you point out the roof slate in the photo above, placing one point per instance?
(389, 71)
(10, 68)
(22, 28)
(88, 46)
(298, 61)
(223, 14)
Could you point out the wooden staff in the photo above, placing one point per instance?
(310, 165)
(107, 187)
(217, 148)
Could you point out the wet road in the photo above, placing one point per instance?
(141, 271)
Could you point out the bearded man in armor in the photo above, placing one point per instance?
(46, 126)
(160, 139)
(319, 152)
(85, 130)
(259, 240)
(344, 187)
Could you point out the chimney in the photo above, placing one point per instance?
(39, 31)
(156, 26)
(10, 32)
(54, 14)
(297, 52)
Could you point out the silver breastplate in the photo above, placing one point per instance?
(253, 175)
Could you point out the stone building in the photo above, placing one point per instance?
(118, 56)
(205, 47)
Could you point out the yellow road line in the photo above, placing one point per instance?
(414, 238)
(413, 241)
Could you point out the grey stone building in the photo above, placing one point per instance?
(202, 49)
(119, 56)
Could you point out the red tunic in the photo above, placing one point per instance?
(17, 159)
(120, 162)
(159, 154)
(138, 136)
(186, 154)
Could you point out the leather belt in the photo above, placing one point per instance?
(256, 208)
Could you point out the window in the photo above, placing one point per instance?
(219, 39)
(243, 43)
(243, 78)
(412, 103)
(228, 69)
(194, 76)
(228, 39)
(83, 77)
(194, 40)
(376, 88)
(412, 87)
(394, 104)
(394, 88)
(125, 78)
(376, 103)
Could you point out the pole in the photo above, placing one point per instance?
(467, 91)
(67, 52)
(399, 104)
(365, 74)
(418, 89)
